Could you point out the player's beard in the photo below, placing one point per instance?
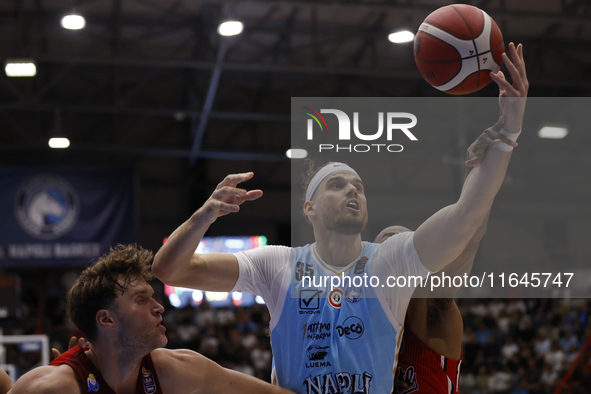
(137, 341)
(336, 221)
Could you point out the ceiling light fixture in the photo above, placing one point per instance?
(553, 132)
(296, 153)
(230, 28)
(73, 22)
(20, 68)
(59, 143)
(401, 37)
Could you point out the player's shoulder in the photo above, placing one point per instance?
(398, 243)
(181, 367)
(174, 355)
(176, 361)
(48, 380)
(267, 252)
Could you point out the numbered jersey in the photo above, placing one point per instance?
(329, 337)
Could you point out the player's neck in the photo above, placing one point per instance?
(118, 369)
(336, 249)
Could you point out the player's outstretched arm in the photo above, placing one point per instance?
(48, 380)
(442, 237)
(477, 151)
(5, 382)
(176, 262)
(185, 371)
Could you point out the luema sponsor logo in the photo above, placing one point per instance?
(380, 141)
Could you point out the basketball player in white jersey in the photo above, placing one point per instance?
(341, 340)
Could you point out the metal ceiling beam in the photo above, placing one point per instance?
(233, 66)
(208, 104)
(166, 153)
(176, 20)
(146, 111)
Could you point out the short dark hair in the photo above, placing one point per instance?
(98, 285)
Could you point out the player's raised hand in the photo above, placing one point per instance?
(489, 138)
(227, 198)
(512, 96)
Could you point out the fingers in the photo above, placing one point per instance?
(515, 64)
(499, 79)
(235, 195)
(234, 179)
(252, 195)
(227, 198)
(72, 342)
(82, 342)
(506, 89)
(499, 125)
(490, 138)
(228, 192)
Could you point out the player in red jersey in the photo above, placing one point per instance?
(430, 355)
(112, 304)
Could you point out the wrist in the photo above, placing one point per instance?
(201, 218)
(512, 136)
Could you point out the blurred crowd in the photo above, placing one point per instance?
(524, 346)
(520, 346)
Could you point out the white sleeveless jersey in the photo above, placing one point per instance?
(340, 340)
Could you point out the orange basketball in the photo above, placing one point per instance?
(456, 48)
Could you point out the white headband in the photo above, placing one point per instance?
(323, 173)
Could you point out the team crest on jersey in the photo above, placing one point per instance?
(92, 383)
(353, 294)
(335, 297)
(148, 381)
(360, 266)
(409, 377)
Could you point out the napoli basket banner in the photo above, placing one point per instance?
(64, 216)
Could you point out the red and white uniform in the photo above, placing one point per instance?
(76, 358)
(424, 370)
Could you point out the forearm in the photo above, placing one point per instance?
(445, 235)
(481, 187)
(239, 383)
(175, 257)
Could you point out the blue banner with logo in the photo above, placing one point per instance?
(64, 216)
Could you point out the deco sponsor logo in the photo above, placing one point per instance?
(352, 328)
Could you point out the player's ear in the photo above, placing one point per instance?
(309, 209)
(104, 319)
